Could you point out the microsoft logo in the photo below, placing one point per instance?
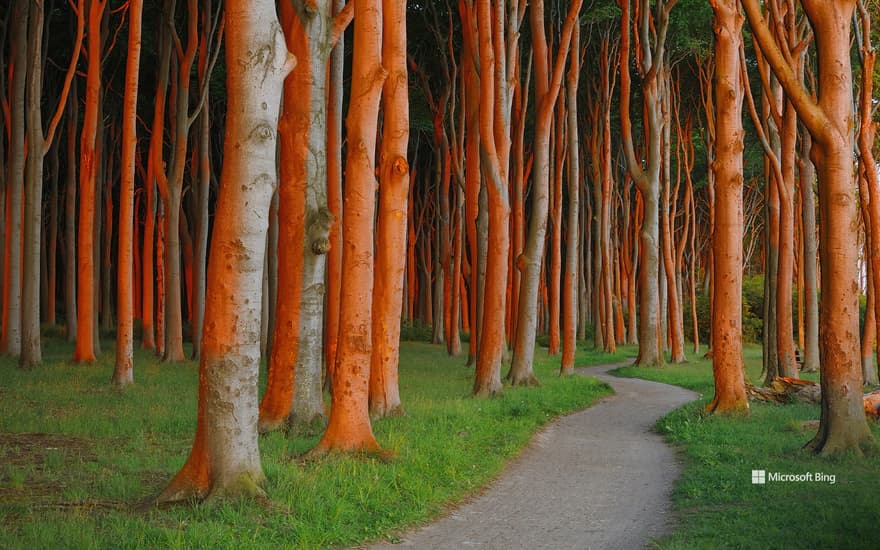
(759, 477)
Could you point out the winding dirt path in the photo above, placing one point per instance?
(597, 479)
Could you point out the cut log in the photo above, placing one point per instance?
(786, 390)
(789, 390)
(872, 405)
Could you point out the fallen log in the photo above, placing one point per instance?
(789, 390)
(786, 390)
(872, 405)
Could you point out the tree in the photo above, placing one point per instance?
(391, 229)
(842, 426)
(225, 458)
(294, 392)
(349, 426)
(15, 182)
(727, 361)
(652, 62)
(123, 374)
(85, 335)
(547, 86)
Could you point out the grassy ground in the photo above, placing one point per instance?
(76, 456)
(718, 504)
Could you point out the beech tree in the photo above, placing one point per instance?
(294, 391)
(391, 229)
(349, 426)
(652, 66)
(123, 371)
(727, 360)
(547, 86)
(225, 458)
(829, 119)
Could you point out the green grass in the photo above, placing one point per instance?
(718, 505)
(77, 456)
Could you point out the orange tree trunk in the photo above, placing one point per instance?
(85, 338)
(867, 165)
(487, 380)
(349, 426)
(391, 230)
(727, 362)
(123, 371)
(334, 199)
(225, 458)
(842, 427)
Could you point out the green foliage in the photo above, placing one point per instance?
(718, 505)
(690, 29)
(752, 312)
(83, 455)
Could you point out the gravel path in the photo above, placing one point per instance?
(597, 479)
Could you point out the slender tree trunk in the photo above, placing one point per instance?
(52, 238)
(203, 190)
(547, 90)
(391, 229)
(12, 302)
(811, 275)
(225, 458)
(334, 198)
(123, 373)
(349, 425)
(85, 337)
(572, 244)
(70, 314)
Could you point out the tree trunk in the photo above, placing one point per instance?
(842, 427)
(12, 302)
(811, 275)
(225, 458)
(727, 362)
(123, 373)
(391, 229)
(546, 93)
(70, 314)
(85, 335)
(572, 244)
(349, 425)
(334, 198)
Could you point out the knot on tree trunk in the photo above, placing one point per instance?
(320, 222)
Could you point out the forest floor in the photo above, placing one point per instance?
(78, 457)
(599, 478)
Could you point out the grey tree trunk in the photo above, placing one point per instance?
(15, 182)
(70, 219)
(811, 269)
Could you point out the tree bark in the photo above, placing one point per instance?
(842, 427)
(727, 362)
(123, 373)
(225, 458)
(12, 302)
(349, 425)
(85, 335)
(390, 264)
(547, 87)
